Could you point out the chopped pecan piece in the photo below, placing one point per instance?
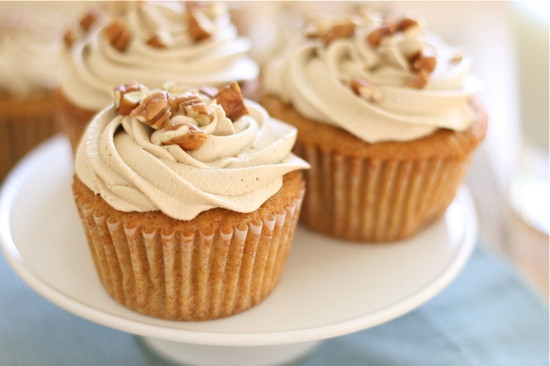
(196, 26)
(424, 63)
(365, 89)
(89, 19)
(187, 136)
(191, 105)
(357, 84)
(118, 35)
(419, 62)
(341, 30)
(419, 80)
(70, 37)
(231, 100)
(125, 104)
(375, 37)
(154, 110)
(156, 41)
(130, 101)
(405, 23)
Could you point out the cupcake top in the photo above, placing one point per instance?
(185, 42)
(379, 79)
(30, 46)
(184, 151)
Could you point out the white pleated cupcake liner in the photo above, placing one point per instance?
(190, 275)
(376, 200)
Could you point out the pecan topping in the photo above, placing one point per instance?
(419, 80)
(156, 41)
(405, 23)
(357, 84)
(231, 100)
(153, 110)
(186, 135)
(196, 26)
(340, 30)
(191, 105)
(89, 19)
(424, 63)
(130, 101)
(419, 62)
(70, 37)
(124, 102)
(375, 37)
(118, 35)
(365, 89)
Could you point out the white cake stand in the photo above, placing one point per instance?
(329, 287)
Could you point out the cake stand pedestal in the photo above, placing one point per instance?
(329, 287)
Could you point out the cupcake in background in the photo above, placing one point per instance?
(30, 45)
(387, 118)
(186, 42)
(189, 199)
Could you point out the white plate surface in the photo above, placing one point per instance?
(328, 288)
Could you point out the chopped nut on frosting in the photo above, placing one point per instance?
(82, 27)
(118, 34)
(191, 104)
(366, 90)
(154, 110)
(185, 134)
(199, 26)
(232, 102)
(69, 37)
(128, 96)
(375, 37)
(89, 19)
(156, 41)
(179, 113)
(342, 29)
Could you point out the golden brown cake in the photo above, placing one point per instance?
(385, 116)
(381, 191)
(24, 123)
(187, 42)
(189, 202)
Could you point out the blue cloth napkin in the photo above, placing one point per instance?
(487, 316)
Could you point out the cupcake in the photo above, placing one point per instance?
(185, 42)
(29, 55)
(387, 118)
(189, 199)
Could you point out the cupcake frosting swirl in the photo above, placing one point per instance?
(30, 46)
(316, 76)
(94, 65)
(239, 167)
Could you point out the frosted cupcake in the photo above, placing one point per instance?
(152, 43)
(386, 118)
(30, 45)
(189, 200)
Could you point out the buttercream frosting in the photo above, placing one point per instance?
(315, 77)
(94, 65)
(239, 167)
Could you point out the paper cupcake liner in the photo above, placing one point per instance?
(376, 200)
(71, 120)
(23, 125)
(194, 275)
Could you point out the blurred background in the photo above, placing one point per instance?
(509, 176)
